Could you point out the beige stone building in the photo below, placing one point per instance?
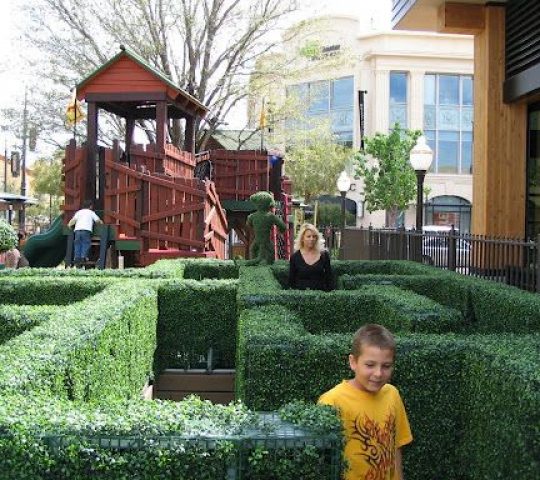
(422, 80)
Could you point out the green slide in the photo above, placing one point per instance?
(47, 249)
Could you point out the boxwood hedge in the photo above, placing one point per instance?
(70, 404)
(467, 369)
(194, 316)
(458, 386)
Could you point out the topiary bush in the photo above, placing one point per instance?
(194, 316)
(8, 237)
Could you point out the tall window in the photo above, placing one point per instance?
(328, 100)
(398, 99)
(448, 120)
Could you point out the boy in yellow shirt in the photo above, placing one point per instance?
(373, 415)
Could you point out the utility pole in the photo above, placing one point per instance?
(22, 212)
(5, 161)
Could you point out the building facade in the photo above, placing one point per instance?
(421, 80)
(506, 154)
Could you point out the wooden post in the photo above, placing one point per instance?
(89, 187)
(161, 122)
(189, 137)
(130, 127)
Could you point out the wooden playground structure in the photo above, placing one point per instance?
(158, 201)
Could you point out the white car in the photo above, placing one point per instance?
(435, 247)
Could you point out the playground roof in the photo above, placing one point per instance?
(128, 86)
(14, 197)
(238, 139)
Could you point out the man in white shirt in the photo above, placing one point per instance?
(83, 221)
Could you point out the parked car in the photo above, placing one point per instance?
(435, 245)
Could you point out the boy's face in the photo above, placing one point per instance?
(372, 368)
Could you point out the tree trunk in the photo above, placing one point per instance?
(392, 216)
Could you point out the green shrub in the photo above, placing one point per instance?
(343, 311)
(478, 394)
(93, 273)
(500, 398)
(8, 236)
(205, 269)
(164, 440)
(54, 291)
(100, 348)
(16, 319)
(194, 316)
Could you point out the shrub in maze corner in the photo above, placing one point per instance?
(8, 237)
(100, 348)
(194, 316)
(15, 319)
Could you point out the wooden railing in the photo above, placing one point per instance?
(174, 162)
(215, 220)
(74, 179)
(239, 174)
(164, 211)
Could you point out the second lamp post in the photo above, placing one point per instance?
(420, 157)
(343, 185)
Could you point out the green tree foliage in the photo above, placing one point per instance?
(48, 186)
(8, 237)
(329, 214)
(389, 180)
(314, 162)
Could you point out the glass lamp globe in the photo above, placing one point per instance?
(343, 182)
(421, 155)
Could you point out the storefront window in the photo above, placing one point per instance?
(327, 100)
(448, 119)
(449, 210)
(398, 99)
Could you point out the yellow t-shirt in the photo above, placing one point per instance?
(374, 425)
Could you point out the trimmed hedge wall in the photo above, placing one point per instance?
(185, 440)
(15, 319)
(343, 311)
(354, 267)
(54, 291)
(194, 316)
(99, 352)
(100, 348)
(94, 273)
(487, 307)
(473, 400)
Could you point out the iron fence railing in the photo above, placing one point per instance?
(506, 260)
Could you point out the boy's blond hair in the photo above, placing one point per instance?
(374, 335)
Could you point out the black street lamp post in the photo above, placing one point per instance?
(420, 157)
(343, 185)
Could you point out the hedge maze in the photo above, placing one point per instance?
(77, 347)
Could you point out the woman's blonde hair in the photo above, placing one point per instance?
(299, 240)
